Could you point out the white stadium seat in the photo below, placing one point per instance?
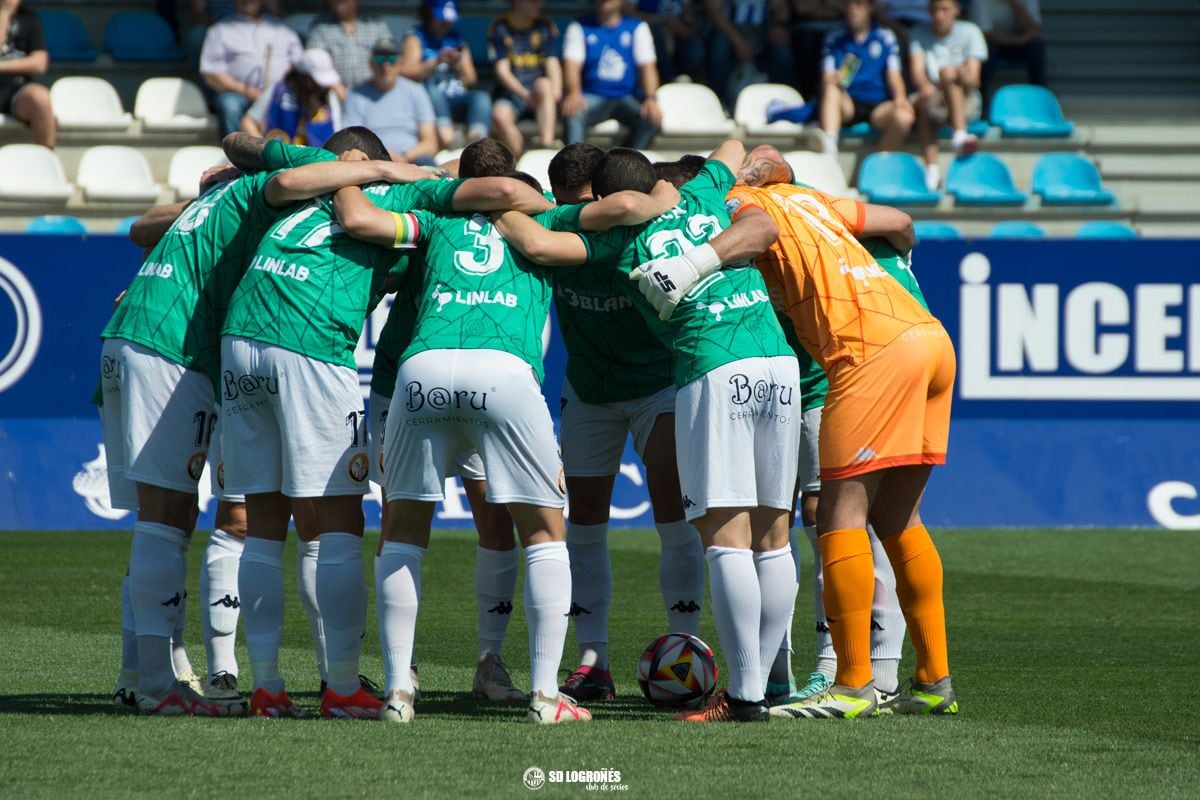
(750, 110)
(610, 127)
(820, 172)
(112, 173)
(171, 104)
(537, 164)
(653, 155)
(88, 104)
(33, 173)
(447, 155)
(691, 110)
(188, 164)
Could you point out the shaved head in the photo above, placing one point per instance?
(764, 165)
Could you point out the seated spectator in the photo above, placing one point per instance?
(1013, 29)
(609, 60)
(348, 38)
(812, 21)
(677, 37)
(397, 109)
(202, 14)
(302, 108)
(23, 54)
(245, 55)
(757, 35)
(947, 59)
(436, 54)
(523, 49)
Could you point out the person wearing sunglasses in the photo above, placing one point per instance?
(397, 109)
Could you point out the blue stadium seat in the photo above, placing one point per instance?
(124, 225)
(1105, 229)
(859, 130)
(1068, 179)
(66, 39)
(140, 36)
(54, 223)
(1015, 229)
(927, 229)
(982, 180)
(1021, 110)
(474, 30)
(895, 179)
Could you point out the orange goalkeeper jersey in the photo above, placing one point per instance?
(844, 306)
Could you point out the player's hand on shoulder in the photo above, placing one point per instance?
(215, 175)
(404, 173)
(664, 281)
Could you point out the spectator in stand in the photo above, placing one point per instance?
(523, 48)
(436, 54)
(677, 40)
(757, 34)
(1013, 29)
(245, 55)
(946, 61)
(201, 15)
(812, 21)
(397, 109)
(302, 108)
(608, 62)
(348, 37)
(23, 54)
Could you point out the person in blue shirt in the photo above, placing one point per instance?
(610, 71)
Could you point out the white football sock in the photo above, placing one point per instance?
(307, 554)
(826, 657)
(397, 600)
(179, 656)
(591, 590)
(157, 572)
(887, 621)
(933, 177)
(220, 606)
(777, 587)
(829, 143)
(547, 601)
(260, 587)
(781, 667)
(495, 584)
(129, 662)
(342, 596)
(681, 575)
(736, 605)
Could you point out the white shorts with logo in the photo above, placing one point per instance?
(467, 465)
(450, 401)
(737, 435)
(593, 434)
(809, 474)
(156, 417)
(290, 423)
(216, 464)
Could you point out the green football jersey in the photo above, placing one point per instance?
(476, 294)
(897, 265)
(725, 317)
(397, 330)
(309, 284)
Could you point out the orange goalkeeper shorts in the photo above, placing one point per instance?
(893, 409)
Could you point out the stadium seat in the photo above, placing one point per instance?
(1105, 229)
(610, 127)
(692, 109)
(927, 229)
(88, 104)
(1021, 110)
(140, 36)
(859, 130)
(896, 179)
(819, 171)
(171, 104)
(982, 180)
(66, 38)
(401, 24)
(750, 110)
(447, 155)
(32, 173)
(536, 163)
(1016, 229)
(55, 223)
(300, 23)
(124, 226)
(1068, 179)
(654, 155)
(474, 30)
(188, 164)
(112, 173)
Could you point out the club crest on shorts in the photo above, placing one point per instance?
(359, 466)
(195, 465)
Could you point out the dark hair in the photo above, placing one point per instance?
(485, 158)
(525, 178)
(679, 172)
(622, 169)
(311, 97)
(357, 137)
(571, 168)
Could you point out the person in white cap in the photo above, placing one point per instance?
(303, 107)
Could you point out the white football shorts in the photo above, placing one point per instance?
(467, 465)
(593, 435)
(809, 473)
(216, 465)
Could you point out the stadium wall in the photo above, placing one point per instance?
(1077, 400)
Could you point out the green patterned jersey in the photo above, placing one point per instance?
(724, 318)
(896, 264)
(397, 330)
(612, 353)
(476, 294)
(309, 285)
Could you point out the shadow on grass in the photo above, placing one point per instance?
(72, 705)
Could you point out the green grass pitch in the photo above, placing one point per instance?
(1076, 656)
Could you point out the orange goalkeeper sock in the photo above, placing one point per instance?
(849, 589)
(918, 571)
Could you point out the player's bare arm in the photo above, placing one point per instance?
(313, 180)
(499, 194)
(890, 223)
(529, 238)
(244, 150)
(150, 227)
(628, 208)
(731, 153)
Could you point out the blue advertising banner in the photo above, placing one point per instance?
(1077, 402)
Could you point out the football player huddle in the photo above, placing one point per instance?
(715, 309)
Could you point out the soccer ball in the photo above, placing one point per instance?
(677, 671)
